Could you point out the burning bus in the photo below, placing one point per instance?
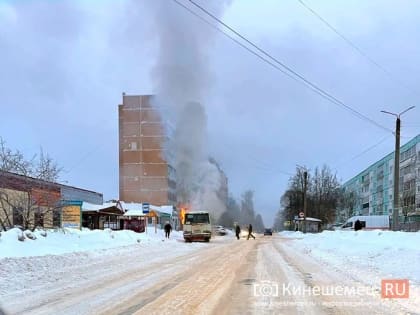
(196, 226)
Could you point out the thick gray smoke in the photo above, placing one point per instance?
(182, 77)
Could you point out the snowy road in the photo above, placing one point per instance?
(225, 276)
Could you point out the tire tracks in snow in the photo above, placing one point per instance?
(200, 288)
(102, 284)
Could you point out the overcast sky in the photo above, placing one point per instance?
(65, 64)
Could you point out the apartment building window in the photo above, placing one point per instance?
(409, 201)
(408, 153)
(380, 172)
(17, 216)
(409, 185)
(365, 178)
(407, 169)
(133, 146)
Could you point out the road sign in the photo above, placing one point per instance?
(301, 214)
(146, 207)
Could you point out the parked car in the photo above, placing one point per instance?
(268, 232)
(368, 222)
(219, 230)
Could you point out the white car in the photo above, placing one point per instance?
(219, 230)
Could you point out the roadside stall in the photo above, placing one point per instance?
(313, 225)
(102, 216)
(134, 218)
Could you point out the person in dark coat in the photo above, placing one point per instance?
(238, 231)
(250, 232)
(168, 229)
(357, 225)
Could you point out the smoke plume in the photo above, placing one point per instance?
(182, 77)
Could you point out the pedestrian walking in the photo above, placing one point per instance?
(238, 231)
(357, 225)
(250, 232)
(168, 229)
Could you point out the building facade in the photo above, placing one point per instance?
(371, 192)
(27, 201)
(144, 173)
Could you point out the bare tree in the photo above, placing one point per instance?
(247, 208)
(40, 166)
(279, 221)
(323, 194)
(259, 224)
(14, 161)
(29, 196)
(232, 213)
(347, 202)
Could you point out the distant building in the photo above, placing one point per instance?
(74, 193)
(313, 225)
(371, 191)
(144, 173)
(31, 199)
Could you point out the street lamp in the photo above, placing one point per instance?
(396, 167)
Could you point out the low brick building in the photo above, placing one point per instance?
(30, 202)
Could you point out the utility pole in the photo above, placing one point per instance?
(396, 210)
(305, 188)
(305, 185)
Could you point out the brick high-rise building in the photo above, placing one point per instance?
(144, 174)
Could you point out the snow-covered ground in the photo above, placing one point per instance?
(86, 272)
(55, 267)
(390, 254)
(57, 242)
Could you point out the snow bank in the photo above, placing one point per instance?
(394, 254)
(56, 242)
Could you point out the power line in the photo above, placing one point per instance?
(84, 157)
(236, 41)
(297, 77)
(410, 125)
(355, 47)
(364, 151)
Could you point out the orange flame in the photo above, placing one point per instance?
(183, 210)
(182, 215)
